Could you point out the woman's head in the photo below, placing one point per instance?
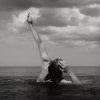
(58, 62)
(56, 69)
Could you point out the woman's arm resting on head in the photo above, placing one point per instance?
(73, 77)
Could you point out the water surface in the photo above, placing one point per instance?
(24, 87)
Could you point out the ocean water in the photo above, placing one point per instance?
(19, 84)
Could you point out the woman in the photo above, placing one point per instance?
(52, 70)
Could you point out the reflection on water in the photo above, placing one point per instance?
(22, 88)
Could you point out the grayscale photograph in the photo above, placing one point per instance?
(49, 50)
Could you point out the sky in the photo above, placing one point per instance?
(70, 30)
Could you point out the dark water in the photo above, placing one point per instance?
(25, 88)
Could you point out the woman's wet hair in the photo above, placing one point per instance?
(57, 61)
(55, 70)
